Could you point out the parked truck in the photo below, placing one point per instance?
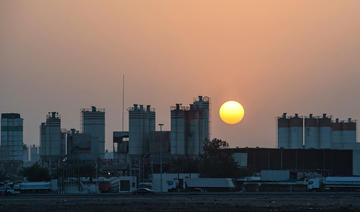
(27, 187)
(334, 184)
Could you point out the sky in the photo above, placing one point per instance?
(271, 56)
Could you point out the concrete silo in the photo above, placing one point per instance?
(349, 134)
(141, 124)
(198, 118)
(52, 139)
(190, 127)
(312, 131)
(177, 133)
(283, 131)
(93, 123)
(325, 132)
(336, 135)
(11, 137)
(296, 132)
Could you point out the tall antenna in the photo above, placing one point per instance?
(123, 103)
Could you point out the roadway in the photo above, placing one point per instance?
(289, 201)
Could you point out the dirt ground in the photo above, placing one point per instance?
(164, 202)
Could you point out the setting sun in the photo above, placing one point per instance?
(231, 112)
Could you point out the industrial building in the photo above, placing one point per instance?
(80, 146)
(327, 162)
(52, 139)
(93, 123)
(34, 154)
(189, 128)
(11, 137)
(319, 132)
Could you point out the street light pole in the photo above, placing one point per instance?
(161, 170)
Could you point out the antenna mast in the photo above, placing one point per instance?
(123, 102)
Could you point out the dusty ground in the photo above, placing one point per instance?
(183, 203)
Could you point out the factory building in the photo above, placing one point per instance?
(141, 125)
(327, 162)
(120, 145)
(11, 137)
(80, 146)
(93, 123)
(189, 128)
(52, 139)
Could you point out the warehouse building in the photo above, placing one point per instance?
(327, 162)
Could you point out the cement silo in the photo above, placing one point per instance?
(141, 124)
(93, 123)
(296, 132)
(325, 132)
(349, 133)
(190, 127)
(52, 139)
(312, 132)
(11, 137)
(177, 133)
(283, 131)
(201, 105)
(337, 135)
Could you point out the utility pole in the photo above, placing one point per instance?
(161, 170)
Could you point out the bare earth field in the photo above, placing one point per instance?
(190, 202)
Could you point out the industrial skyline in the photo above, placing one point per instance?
(283, 57)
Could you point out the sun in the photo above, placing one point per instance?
(231, 112)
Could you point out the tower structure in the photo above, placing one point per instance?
(52, 139)
(11, 137)
(93, 124)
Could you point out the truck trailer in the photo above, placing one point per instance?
(334, 184)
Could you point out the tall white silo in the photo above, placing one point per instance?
(177, 133)
(136, 132)
(337, 135)
(194, 134)
(296, 132)
(141, 124)
(312, 131)
(283, 132)
(325, 132)
(93, 123)
(349, 134)
(202, 105)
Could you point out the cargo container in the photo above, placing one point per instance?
(275, 175)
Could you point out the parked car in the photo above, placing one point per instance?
(143, 191)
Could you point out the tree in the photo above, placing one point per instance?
(216, 162)
(36, 173)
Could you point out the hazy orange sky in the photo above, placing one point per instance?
(271, 56)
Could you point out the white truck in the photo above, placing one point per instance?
(34, 187)
(334, 184)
